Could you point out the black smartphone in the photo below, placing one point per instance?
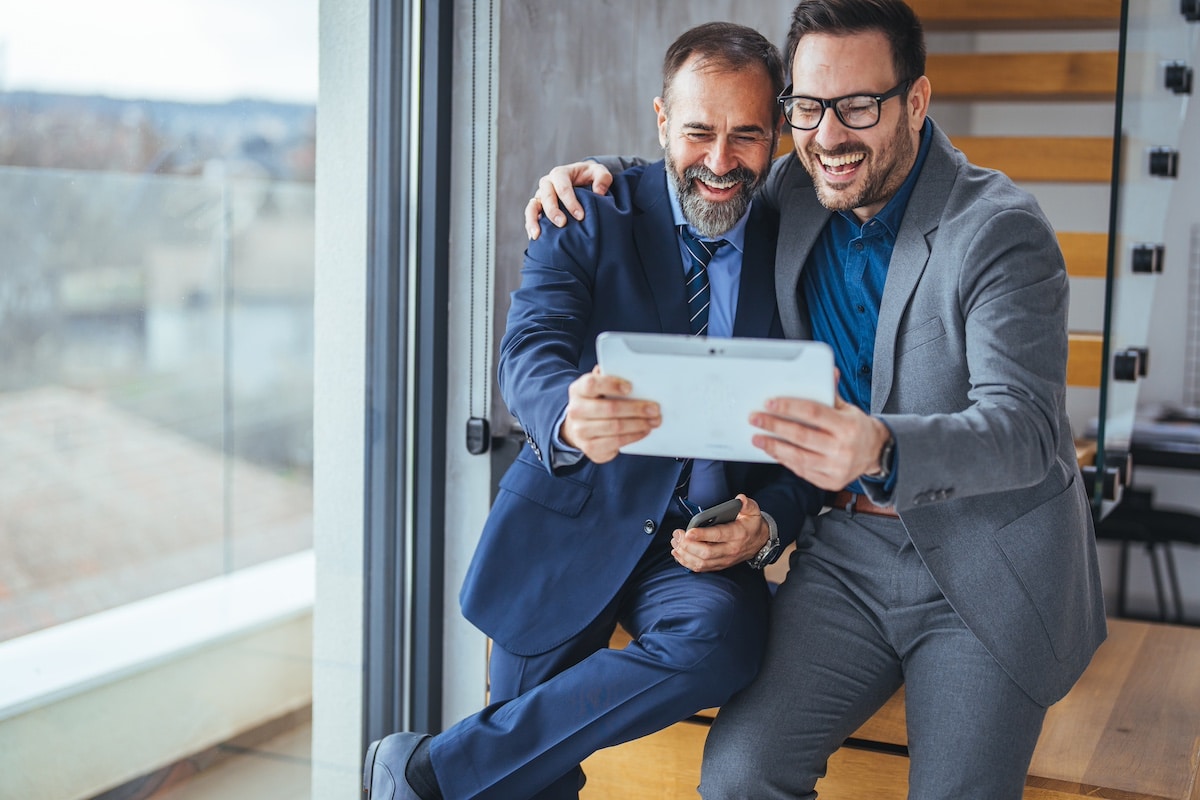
(717, 515)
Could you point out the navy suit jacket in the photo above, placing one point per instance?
(560, 543)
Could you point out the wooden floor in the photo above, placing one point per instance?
(1128, 730)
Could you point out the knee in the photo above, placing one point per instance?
(727, 655)
(722, 673)
(743, 767)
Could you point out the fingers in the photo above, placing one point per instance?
(601, 180)
(722, 546)
(601, 418)
(829, 447)
(533, 215)
(556, 194)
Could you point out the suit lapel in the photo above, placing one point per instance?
(659, 253)
(910, 257)
(802, 218)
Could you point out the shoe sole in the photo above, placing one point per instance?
(369, 766)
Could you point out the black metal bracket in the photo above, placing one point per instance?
(1148, 258)
(1127, 365)
(1164, 161)
(1177, 76)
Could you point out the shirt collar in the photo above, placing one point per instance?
(893, 212)
(736, 235)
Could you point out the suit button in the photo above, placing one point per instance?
(648, 526)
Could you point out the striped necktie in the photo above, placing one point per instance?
(698, 296)
(696, 278)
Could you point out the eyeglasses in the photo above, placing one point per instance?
(855, 111)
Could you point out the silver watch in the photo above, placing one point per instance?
(770, 551)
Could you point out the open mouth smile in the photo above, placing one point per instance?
(841, 167)
(717, 188)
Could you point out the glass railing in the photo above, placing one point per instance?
(156, 342)
(1158, 47)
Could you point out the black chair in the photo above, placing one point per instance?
(1136, 520)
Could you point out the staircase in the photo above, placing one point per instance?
(1059, 78)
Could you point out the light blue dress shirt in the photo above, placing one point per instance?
(707, 486)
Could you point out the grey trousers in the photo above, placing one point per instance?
(858, 616)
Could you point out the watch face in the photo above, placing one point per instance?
(767, 556)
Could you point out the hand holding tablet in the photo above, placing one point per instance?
(707, 388)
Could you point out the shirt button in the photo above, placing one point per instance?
(860, 308)
(865, 369)
(648, 526)
(858, 246)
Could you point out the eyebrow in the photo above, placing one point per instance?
(737, 128)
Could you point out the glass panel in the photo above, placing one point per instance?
(1150, 118)
(156, 342)
(110, 387)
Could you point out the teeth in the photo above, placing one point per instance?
(841, 161)
(721, 184)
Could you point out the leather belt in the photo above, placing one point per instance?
(858, 504)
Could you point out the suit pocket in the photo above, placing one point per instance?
(1047, 553)
(924, 333)
(559, 493)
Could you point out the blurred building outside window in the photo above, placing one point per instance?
(156, 275)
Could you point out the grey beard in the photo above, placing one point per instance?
(712, 219)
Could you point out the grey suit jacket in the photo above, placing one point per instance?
(970, 375)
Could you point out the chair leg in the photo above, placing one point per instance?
(1173, 576)
(1152, 554)
(1123, 577)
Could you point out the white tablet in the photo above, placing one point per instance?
(707, 388)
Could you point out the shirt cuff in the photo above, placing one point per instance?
(561, 453)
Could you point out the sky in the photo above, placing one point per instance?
(193, 50)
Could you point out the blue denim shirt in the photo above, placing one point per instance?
(843, 285)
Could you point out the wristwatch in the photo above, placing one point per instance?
(885, 460)
(771, 550)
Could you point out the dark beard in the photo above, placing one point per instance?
(880, 185)
(712, 219)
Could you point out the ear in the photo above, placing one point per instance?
(918, 102)
(660, 109)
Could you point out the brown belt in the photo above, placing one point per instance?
(858, 503)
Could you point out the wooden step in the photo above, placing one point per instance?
(1023, 76)
(1124, 731)
(1018, 14)
(1067, 159)
(1086, 254)
(664, 765)
(1085, 356)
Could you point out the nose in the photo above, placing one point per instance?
(720, 158)
(830, 131)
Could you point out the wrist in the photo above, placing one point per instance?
(769, 553)
(885, 457)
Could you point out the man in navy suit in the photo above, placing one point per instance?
(582, 538)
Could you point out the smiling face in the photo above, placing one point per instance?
(857, 170)
(718, 132)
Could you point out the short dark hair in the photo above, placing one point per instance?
(893, 18)
(723, 45)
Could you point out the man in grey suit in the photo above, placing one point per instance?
(958, 558)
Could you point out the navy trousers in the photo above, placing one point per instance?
(698, 638)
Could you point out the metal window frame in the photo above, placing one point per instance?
(407, 346)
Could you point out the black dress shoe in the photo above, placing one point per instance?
(383, 770)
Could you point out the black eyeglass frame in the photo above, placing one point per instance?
(783, 98)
